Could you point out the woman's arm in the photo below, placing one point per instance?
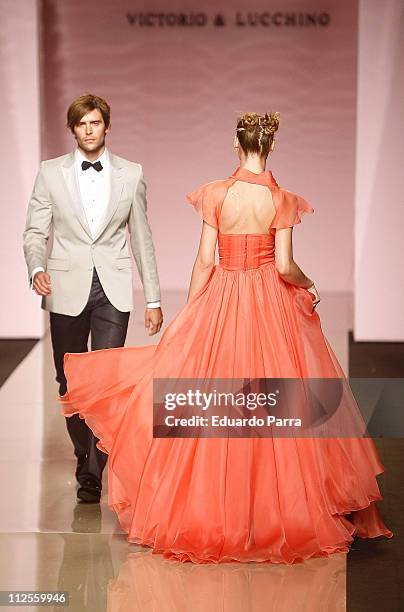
(205, 259)
(287, 268)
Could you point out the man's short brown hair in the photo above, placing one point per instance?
(85, 104)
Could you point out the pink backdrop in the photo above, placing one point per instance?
(175, 94)
(20, 315)
(379, 202)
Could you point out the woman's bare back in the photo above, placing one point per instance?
(246, 209)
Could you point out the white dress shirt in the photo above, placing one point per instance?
(95, 189)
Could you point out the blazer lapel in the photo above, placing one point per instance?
(70, 179)
(117, 182)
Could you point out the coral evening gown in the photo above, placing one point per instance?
(279, 500)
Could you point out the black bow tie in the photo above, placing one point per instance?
(85, 165)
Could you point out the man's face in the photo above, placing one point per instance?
(90, 131)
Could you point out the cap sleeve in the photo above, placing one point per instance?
(206, 200)
(289, 207)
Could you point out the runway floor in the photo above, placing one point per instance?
(48, 542)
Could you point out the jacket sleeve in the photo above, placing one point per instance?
(142, 242)
(38, 225)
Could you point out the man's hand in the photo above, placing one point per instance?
(42, 283)
(153, 320)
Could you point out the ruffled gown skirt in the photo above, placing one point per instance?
(279, 500)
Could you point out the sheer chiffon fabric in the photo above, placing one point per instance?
(287, 208)
(279, 500)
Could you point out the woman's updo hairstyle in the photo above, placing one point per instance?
(256, 133)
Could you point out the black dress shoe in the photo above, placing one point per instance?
(89, 491)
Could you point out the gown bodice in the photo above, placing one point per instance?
(254, 204)
(245, 251)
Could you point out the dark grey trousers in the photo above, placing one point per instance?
(108, 327)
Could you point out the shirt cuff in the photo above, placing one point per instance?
(34, 271)
(153, 305)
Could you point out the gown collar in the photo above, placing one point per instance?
(263, 178)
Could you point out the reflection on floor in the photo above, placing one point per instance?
(103, 573)
(49, 542)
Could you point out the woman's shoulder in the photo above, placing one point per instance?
(290, 207)
(217, 184)
(208, 198)
(213, 190)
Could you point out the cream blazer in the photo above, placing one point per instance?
(55, 211)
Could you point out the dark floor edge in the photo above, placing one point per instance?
(12, 352)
